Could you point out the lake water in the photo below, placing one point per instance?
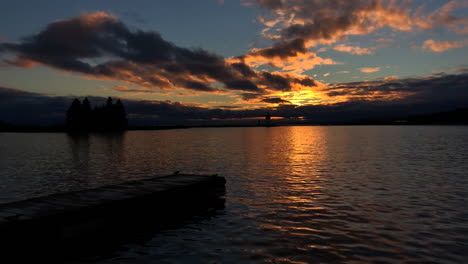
(388, 194)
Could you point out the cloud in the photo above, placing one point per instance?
(437, 89)
(250, 96)
(295, 27)
(20, 107)
(384, 40)
(287, 58)
(276, 100)
(21, 62)
(354, 50)
(126, 89)
(325, 21)
(460, 70)
(285, 81)
(391, 78)
(370, 70)
(101, 46)
(444, 16)
(443, 46)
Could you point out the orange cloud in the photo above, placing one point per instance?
(442, 46)
(297, 63)
(297, 26)
(96, 18)
(294, 62)
(370, 70)
(354, 50)
(134, 91)
(444, 16)
(391, 78)
(460, 70)
(323, 21)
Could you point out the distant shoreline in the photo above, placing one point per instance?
(458, 117)
(55, 129)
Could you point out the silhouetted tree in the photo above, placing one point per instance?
(74, 119)
(109, 102)
(110, 117)
(121, 115)
(86, 113)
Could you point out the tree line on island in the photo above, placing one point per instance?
(81, 117)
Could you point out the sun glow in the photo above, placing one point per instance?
(307, 96)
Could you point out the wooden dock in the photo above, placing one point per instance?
(82, 217)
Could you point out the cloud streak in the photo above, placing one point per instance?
(354, 50)
(442, 46)
(433, 89)
(370, 70)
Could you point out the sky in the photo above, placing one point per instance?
(234, 59)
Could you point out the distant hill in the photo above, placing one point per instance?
(454, 117)
(458, 116)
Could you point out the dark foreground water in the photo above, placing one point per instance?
(294, 194)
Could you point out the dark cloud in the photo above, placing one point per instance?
(283, 81)
(229, 106)
(244, 69)
(283, 49)
(243, 85)
(275, 100)
(305, 81)
(20, 107)
(250, 96)
(277, 82)
(100, 45)
(199, 86)
(439, 88)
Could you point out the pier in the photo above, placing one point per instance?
(67, 223)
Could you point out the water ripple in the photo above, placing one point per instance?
(294, 194)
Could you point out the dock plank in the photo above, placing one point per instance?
(102, 202)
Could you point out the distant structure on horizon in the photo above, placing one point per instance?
(266, 121)
(108, 118)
